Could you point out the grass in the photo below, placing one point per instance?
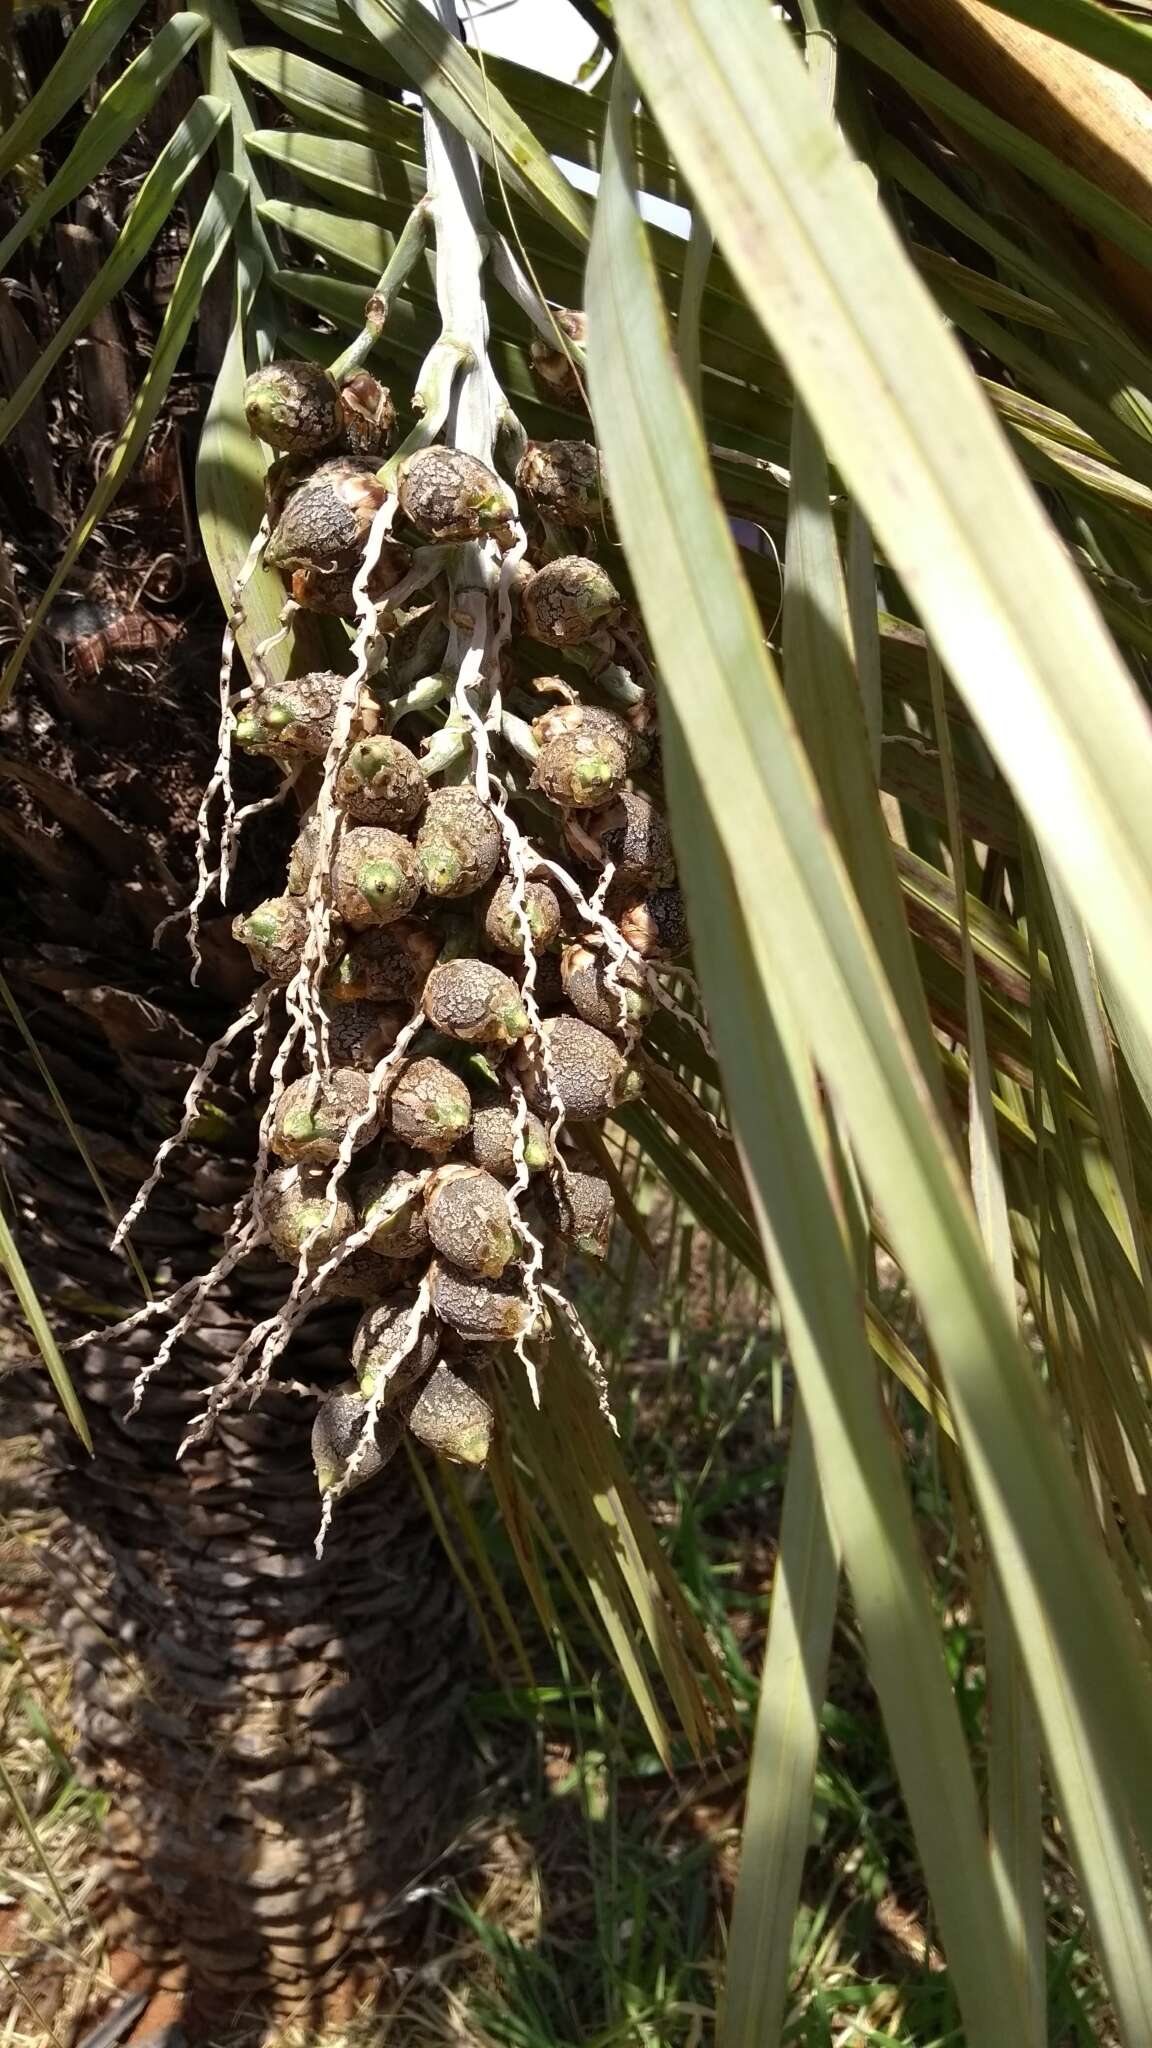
(589, 1906)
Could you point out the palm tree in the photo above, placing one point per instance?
(911, 829)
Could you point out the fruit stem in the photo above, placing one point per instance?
(406, 254)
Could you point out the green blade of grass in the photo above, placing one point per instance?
(91, 43)
(802, 922)
(142, 223)
(120, 112)
(778, 1813)
(32, 1310)
(209, 241)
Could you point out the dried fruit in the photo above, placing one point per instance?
(614, 998)
(472, 1000)
(303, 856)
(292, 405)
(382, 1350)
(389, 964)
(492, 1141)
(580, 771)
(327, 518)
(584, 1212)
(274, 934)
(313, 1117)
(374, 877)
(330, 591)
(568, 601)
(450, 496)
(360, 1034)
(480, 1311)
(564, 480)
(364, 1276)
(458, 845)
(393, 1204)
(291, 718)
(633, 834)
(554, 366)
(588, 718)
(367, 414)
(502, 927)
(380, 783)
(452, 1419)
(656, 925)
(469, 1221)
(336, 1435)
(293, 1204)
(590, 1074)
(429, 1106)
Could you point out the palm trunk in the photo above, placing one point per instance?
(276, 1733)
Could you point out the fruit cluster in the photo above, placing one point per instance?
(478, 1010)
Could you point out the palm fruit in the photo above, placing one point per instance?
(336, 1436)
(589, 1073)
(374, 877)
(582, 1208)
(429, 1106)
(293, 1204)
(552, 364)
(302, 859)
(480, 1311)
(381, 1350)
(330, 592)
(588, 718)
(367, 415)
(469, 1221)
(492, 1141)
(655, 926)
(327, 518)
(633, 834)
(502, 926)
(451, 1419)
(591, 987)
(450, 496)
(389, 964)
(274, 934)
(284, 720)
(417, 647)
(313, 1118)
(548, 988)
(360, 1034)
(564, 480)
(581, 771)
(472, 1000)
(393, 1204)
(364, 1276)
(292, 405)
(458, 845)
(568, 601)
(380, 783)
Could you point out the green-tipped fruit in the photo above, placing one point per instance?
(313, 1118)
(590, 1075)
(293, 1204)
(274, 934)
(581, 771)
(563, 480)
(588, 719)
(502, 926)
(480, 1311)
(382, 1355)
(613, 997)
(458, 846)
(469, 1221)
(429, 1106)
(474, 1001)
(451, 1419)
(291, 719)
(374, 877)
(450, 496)
(292, 405)
(380, 783)
(492, 1141)
(392, 1205)
(569, 601)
